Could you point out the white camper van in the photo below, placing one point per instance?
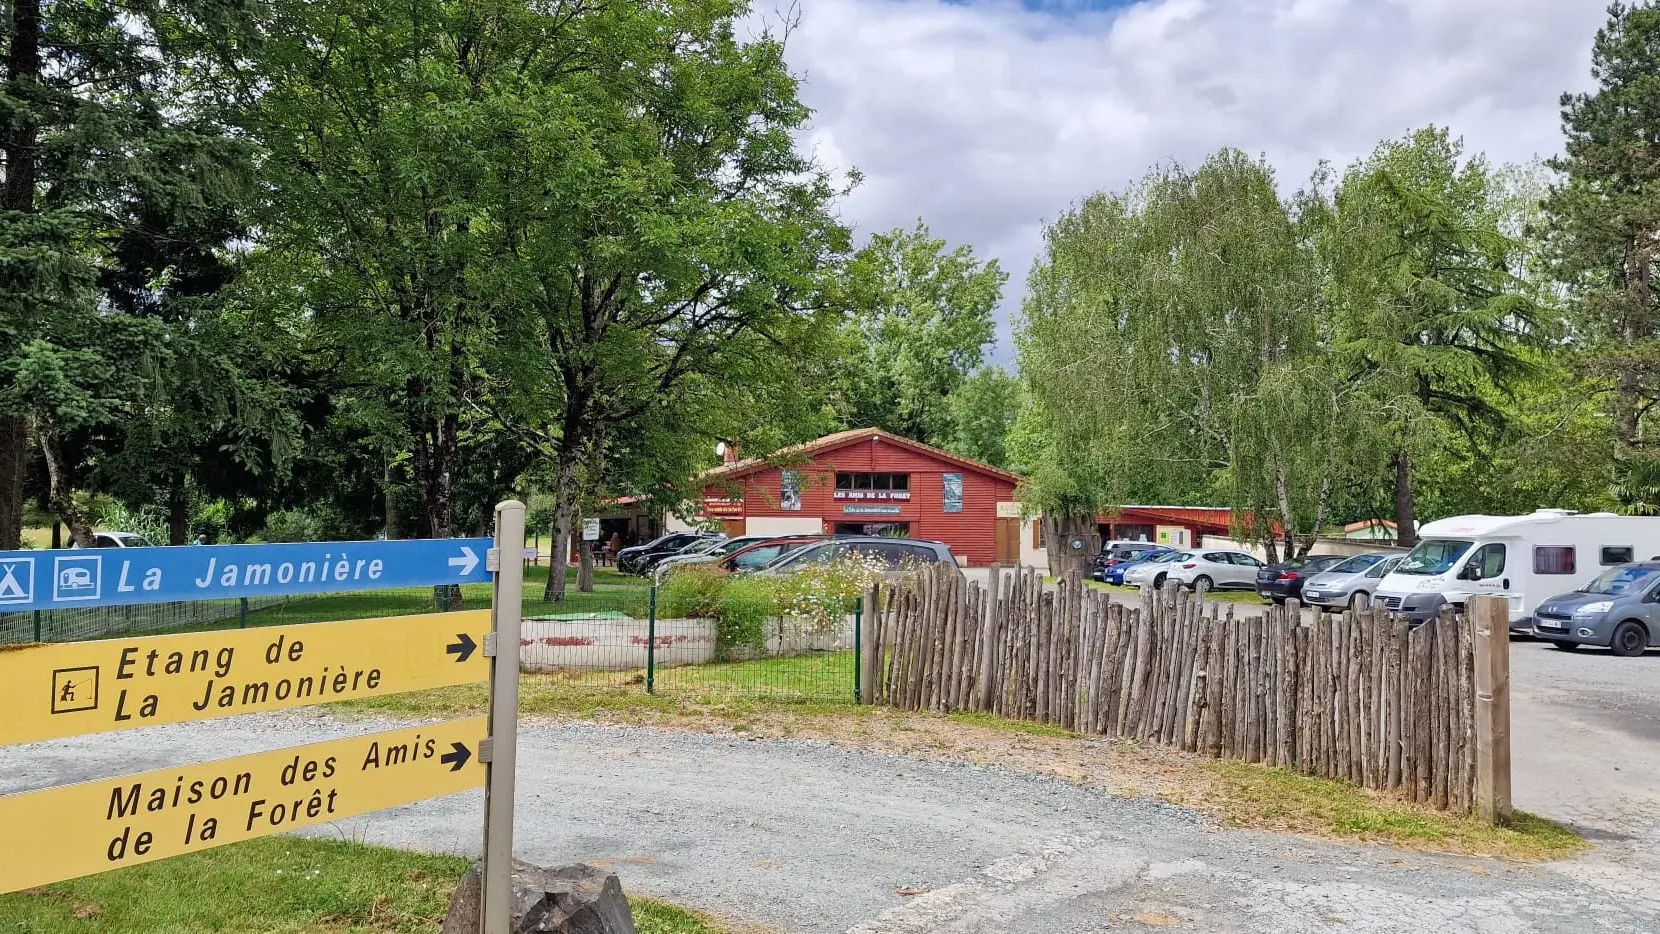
(1525, 559)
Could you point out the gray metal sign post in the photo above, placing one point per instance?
(500, 753)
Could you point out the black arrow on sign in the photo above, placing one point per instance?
(455, 760)
(464, 648)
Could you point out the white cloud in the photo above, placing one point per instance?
(987, 120)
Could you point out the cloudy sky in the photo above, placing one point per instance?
(986, 118)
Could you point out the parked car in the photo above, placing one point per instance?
(1619, 609)
(1143, 573)
(757, 556)
(117, 540)
(1125, 554)
(893, 550)
(1284, 581)
(1212, 570)
(650, 564)
(630, 559)
(699, 554)
(1349, 583)
(1114, 574)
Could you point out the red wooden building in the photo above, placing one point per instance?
(869, 482)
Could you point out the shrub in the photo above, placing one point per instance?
(820, 596)
(691, 591)
(311, 524)
(739, 605)
(741, 626)
(148, 521)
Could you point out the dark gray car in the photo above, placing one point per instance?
(1620, 609)
(1349, 584)
(895, 551)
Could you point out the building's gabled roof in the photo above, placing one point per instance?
(842, 439)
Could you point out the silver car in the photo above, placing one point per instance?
(1350, 583)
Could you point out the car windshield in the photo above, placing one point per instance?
(1357, 564)
(737, 544)
(758, 556)
(134, 540)
(1621, 580)
(1434, 556)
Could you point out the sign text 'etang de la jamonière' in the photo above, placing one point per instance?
(49, 691)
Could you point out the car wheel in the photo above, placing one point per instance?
(1203, 582)
(1278, 601)
(1158, 582)
(1566, 646)
(1630, 639)
(1360, 600)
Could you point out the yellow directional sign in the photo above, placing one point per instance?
(69, 689)
(77, 830)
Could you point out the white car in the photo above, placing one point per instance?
(118, 540)
(1213, 570)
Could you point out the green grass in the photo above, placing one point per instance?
(802, 681)
(276, 885)
(1013, 726)
(1277, 798)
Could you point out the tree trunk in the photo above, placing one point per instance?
(62, 495)
(14, 464)
(394, 523)
(1060, 533)
(585, 567)
(1406, 514)
(1288, 521)
(1635, 327)
(178, 512)
(20, 145)
(564, 497)
(435, 460)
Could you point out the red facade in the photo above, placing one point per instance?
(746, 490)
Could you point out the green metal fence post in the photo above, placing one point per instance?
(37, 625)
(242, 614)
(651, 643)
(858, 637)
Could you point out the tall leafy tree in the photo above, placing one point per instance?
(922, 319)
(661, 253)
(1174, 348)
(983, 411)
(1432, 317)
(1605, 217)
(115, 184)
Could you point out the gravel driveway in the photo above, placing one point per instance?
(809, 837)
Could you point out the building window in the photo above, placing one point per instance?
(1553, 559)
(1623, 554)
(789, 494)
(953, 492)
(873, 486)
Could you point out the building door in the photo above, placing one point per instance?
(1008, 541)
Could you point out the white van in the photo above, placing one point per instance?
(1525, 559)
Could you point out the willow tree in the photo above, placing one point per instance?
(1175, 348)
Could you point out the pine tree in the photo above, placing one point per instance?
(1605, 220)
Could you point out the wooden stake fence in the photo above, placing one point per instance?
(1359, 696)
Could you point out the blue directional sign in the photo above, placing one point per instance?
(56, 580)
